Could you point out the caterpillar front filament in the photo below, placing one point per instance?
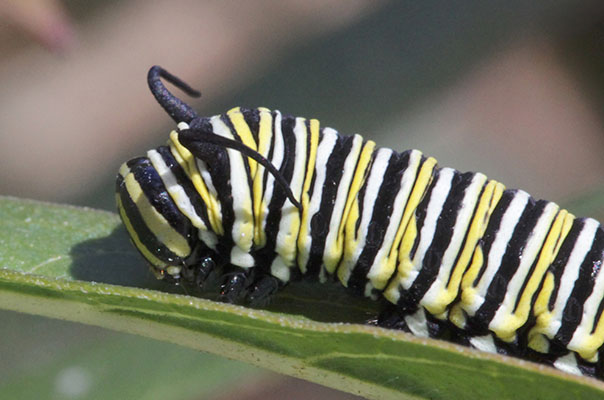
(264, 198)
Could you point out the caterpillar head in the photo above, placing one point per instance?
(159, 231)
(177, 240)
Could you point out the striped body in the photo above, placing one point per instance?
(451, 252)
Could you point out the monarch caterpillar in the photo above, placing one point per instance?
(264, 198)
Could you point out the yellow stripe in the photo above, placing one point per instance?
(386, 272)
(468, 292)
(242, 230)
(548, 253)
(156, 262)
(541, 308)
(457, 314)
(392, 292)
(303, 236)
(265, 133)
(590, 344)
(187, 161)
(550, 250)
(351, 243)
(490, 197)
(124, 170)
(289, 225)
(405, 264)
(333, 254)
(155, 221)
(244, 132)
(424, 179)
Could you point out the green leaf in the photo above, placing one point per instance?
(76, 264)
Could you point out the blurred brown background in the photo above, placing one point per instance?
(514, 89)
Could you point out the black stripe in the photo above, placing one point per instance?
(584, 285)
(509, 264)
(422, 209)
(308, 169)
(319, 223)
(442, 236)
(217, 161)
(531, 271)
(361, 202)
(465, 238)
(252, 119)
(493, 228)
(269, 156)
(380, 218)
(267, 253)
(559, 264)
(246, 161)
(146, 237)
(183, 180)
(311, 189)
(155, 191)
(601, 305)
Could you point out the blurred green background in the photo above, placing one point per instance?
(513, 89)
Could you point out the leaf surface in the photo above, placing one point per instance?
(77, 264)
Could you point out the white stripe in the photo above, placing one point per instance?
(583, 333)
(498, 248)
(464, 217)
(571, 274)
(179, 196)
(242, 201)
(438, 197)
(202, 167)
(332, 253)
(529, 254)
(379, 264)
(328, 142)
(372, 188)
(276, 160)
(176, 191)
(289, 225)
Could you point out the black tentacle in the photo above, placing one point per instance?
(176, 108)
(191, 138)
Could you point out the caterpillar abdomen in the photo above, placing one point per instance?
(264, 198)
